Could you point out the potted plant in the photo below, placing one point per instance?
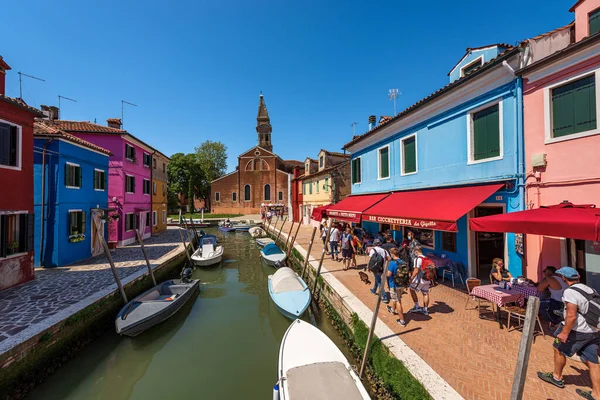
(12, 247)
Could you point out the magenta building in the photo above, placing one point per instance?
(129, 177)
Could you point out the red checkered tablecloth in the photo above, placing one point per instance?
(496, 294)
(527, 291)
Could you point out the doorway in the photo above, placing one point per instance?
(488, 245)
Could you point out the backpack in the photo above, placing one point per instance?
(405, 256)
(376, 263)
(345, 241)
(402, 275)
(592, 317)
(428, 270)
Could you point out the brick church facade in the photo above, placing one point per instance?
(261, 176)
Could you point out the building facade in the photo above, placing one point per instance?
(326, 180)
(129, 177)
(160, 162)
(562, 136)
(71, 196)
(467, 137)
(261, 176)
(16, 176)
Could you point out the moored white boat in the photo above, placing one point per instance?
(262, 242)
(312, 367)
(207, 254)
(257, 232)
(289, 292)
(272, 254)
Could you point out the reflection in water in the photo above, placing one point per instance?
(223, 344)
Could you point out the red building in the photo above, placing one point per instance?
(16, 173)
(297, 193)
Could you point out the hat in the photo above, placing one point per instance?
(377, 242)
(568, 272)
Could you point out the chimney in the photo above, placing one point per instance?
(3, 68)
(114, 123)
(45, 111)
(50, 112)
(372, 120)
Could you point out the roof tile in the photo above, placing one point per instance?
(41, 127)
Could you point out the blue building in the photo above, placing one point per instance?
(453, 155)
(70, 196)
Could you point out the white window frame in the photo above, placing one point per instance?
(125, 221)
(250, 187)
(127, 144)
(70, 164)
(147, 155)
(164, 216)
(470, 143)
(360, 169)
(478, 59)
(19, 165)
(13, 213)
(218, 197)
(548, 108)
(379, 178)
(144, 180)
(100, 170)
(154, 218)
(129, 176)
(402, 173)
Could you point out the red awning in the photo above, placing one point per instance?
(317, 213)
(437, 209)
(562, 220)
(351, 208)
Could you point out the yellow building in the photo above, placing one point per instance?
(159, 191)
(326, 180)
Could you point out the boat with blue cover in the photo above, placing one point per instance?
(289, 292)
(272, 255)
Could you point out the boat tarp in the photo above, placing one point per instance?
(285, 280)
(271, 249)
(322, 381)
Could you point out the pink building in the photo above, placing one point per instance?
(129, 180)
(561, 99)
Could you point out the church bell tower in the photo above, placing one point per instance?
(263, 126)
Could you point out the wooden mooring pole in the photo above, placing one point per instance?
(289, 236)
(280, 229)
(373, 321)
(141, 242)
(185, 247)
(309, 249)
(187, 230)
(293, 240)
(533, 306)
(329, 223)
(113, 269)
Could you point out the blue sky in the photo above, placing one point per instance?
(195, 68)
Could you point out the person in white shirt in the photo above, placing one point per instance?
(419, 284)
(575, 335)
(334, 239)
(378, 271)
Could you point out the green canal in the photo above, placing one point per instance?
(222, 345)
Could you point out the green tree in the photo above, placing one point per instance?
(185, 177)
(212, 160)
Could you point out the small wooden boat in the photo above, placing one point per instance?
(312, 367)
(289, 292)
(262, 242)
(257, 232)
(272, 254)
(208, 253)
(154, 306)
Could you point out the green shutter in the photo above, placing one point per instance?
(410, 155)
(67, 175)
(82, 222)
(486, 133)
(96, 183)
(70, 224)
(384, 162)
(574, 107)
(594, 22)
(78, 172)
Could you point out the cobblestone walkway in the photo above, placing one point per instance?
(473, 355)
(56, 289)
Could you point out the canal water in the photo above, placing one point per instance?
(224, 344)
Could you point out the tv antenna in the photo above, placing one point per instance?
(123, 102)
(66, 98)
(21, 74)
(393, 93)
(353, 125)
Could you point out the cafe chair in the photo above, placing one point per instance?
(452, 271)
(472, 283)
(519, 314)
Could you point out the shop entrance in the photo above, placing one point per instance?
(489, 245)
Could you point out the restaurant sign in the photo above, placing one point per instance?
(415, 223)
(344, 215)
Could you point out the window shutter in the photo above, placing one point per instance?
(410, 156)
(4, 146)
(133, 184)
(23, 232)
(14, 145)
(384, 162)
(584, 102)
(69, 224)
(83, 222)
(594, 22)
(563, 118)
(3, 235)
(486, 133)
(79, 174)
(103, 175)
(96, 178)
(30, 231)
(67, 175)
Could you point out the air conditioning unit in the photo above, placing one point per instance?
(538, 160)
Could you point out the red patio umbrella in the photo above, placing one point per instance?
(562, 220)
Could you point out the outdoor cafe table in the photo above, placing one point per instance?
(527, 291)
(499, 296)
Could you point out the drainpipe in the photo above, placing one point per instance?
(43, 217)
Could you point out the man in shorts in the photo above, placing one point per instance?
(575, 336)
(396, 289)
(419, 284)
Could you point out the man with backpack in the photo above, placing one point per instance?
(421, 278)
(377, 257)
(578, 333)
(334, 239)
(324, 230)
(398, 277)
(347, 244)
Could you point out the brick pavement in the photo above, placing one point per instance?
(54, 290)
(473, 355)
